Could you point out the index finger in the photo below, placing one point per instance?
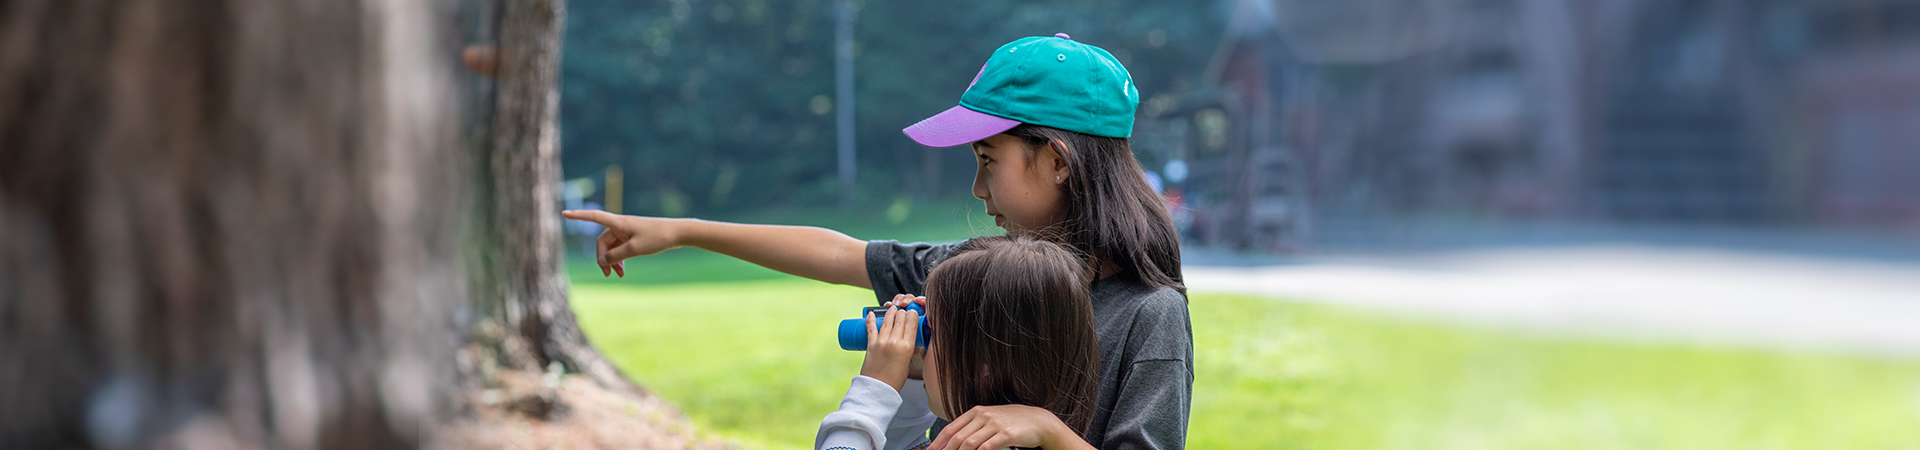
(893, 324)
(603, 218)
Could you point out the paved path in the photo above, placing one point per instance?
(1666, 293)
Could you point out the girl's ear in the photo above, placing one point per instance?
(1058, 168)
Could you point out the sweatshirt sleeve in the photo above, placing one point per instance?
(874, 417)
(896, 268)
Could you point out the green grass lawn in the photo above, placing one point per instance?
(755, 361)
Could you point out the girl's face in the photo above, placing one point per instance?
(930, 372)
(1022, 191)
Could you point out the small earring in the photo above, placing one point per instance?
(1056, 179)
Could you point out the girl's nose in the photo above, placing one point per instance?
(980, 185)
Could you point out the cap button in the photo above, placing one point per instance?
(1062, 36)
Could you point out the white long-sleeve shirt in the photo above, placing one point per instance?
(875, 417)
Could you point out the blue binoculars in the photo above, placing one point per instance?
(853, 332)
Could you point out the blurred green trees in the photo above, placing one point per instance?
(714, 106)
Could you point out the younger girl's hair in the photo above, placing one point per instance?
(1111, 213)
(1012, 320)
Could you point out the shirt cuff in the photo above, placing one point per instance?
(881, 394)
(863, 416)
(880, 254)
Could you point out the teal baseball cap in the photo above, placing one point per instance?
(1050, 81)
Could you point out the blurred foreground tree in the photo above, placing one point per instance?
(247, 224)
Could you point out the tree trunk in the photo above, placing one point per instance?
(247, 224)
(227, 223)
(526, 322)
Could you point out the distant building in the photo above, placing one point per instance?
(1326, 122)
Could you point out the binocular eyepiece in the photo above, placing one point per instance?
(853, 332)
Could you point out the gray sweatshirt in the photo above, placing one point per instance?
(874, 417)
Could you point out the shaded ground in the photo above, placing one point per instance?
(536, 412)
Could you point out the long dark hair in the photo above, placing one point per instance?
(1111, 214)
(1012, 322)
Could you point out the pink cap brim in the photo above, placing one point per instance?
(957, 126)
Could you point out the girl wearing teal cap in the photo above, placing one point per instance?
(1048, 120)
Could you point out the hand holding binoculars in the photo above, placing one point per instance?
(853, 332)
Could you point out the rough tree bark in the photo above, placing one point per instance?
(252, 224)
(526, 322)
(226, 223)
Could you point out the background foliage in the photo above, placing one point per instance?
(726, 105)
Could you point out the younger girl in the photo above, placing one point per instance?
(1011, 323)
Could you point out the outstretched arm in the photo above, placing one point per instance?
(811, 252)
